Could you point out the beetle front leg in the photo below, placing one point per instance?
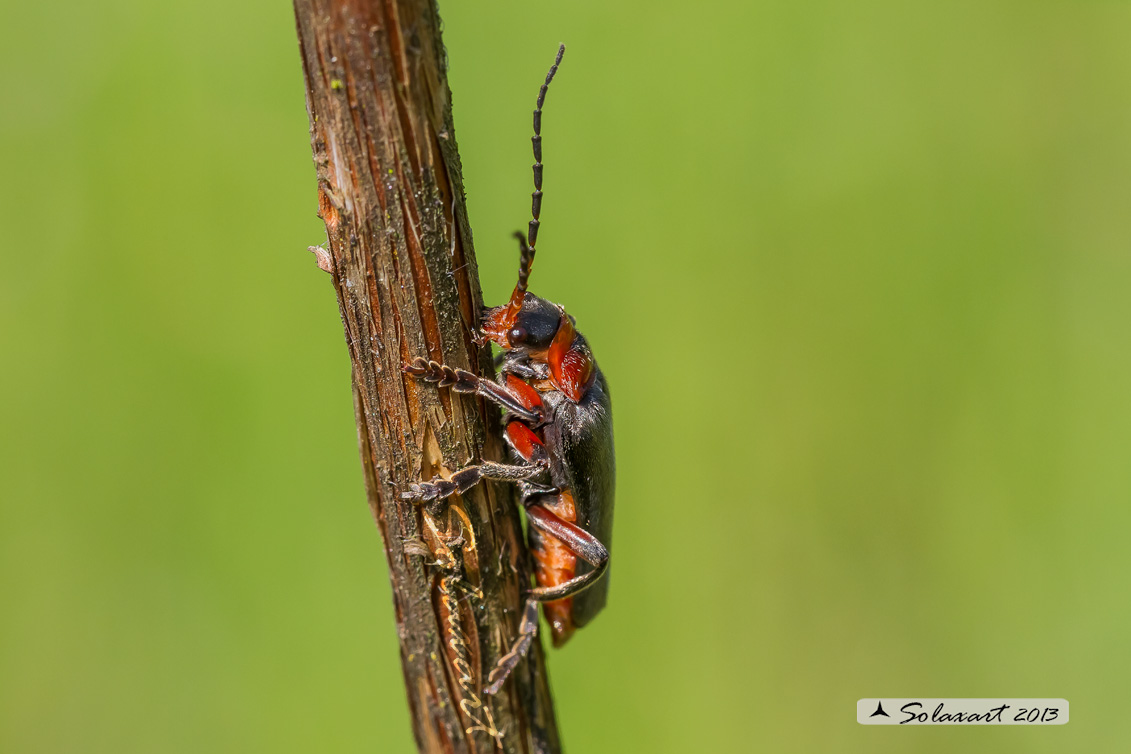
(521, 366)
(582, 544)
(463, 381)
(468, 477)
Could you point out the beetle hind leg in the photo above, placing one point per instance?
(527, 630)
(582, 544)
(529, 492)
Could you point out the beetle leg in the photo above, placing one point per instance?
(468, 477)
(582, 544)
(525, 369)
(527, 630)
(528, 491)
(462, 381)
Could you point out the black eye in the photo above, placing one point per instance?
(517, 335)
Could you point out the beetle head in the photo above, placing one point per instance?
(544, 332)
(529, 329)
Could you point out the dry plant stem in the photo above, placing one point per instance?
(391, 195)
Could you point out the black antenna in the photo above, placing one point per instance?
(525, 259)
(526, 245)
(536, 197)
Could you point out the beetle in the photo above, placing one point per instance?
(558, 426)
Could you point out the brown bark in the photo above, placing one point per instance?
(391, 195)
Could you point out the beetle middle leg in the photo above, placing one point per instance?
(582, 544)
(468, 477)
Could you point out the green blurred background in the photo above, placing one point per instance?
(858, 273)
